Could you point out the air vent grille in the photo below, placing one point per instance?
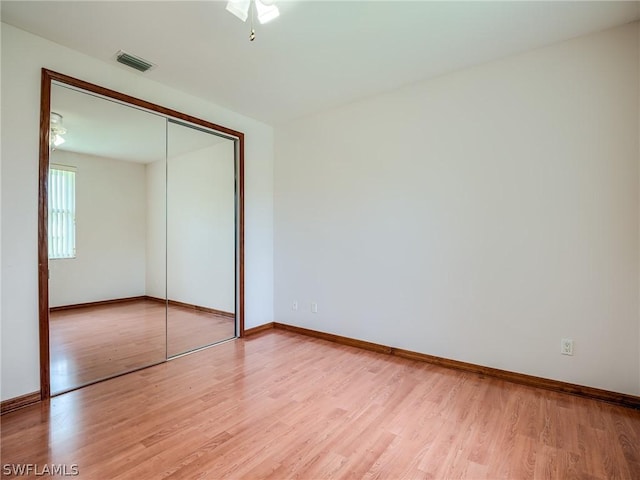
(134, 62)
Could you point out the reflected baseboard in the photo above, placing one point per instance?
(15, 403)
(175, 303)
(98, 303)
(199, 308)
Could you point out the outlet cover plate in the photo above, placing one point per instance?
(566, 346)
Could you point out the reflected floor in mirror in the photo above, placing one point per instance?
(96, 342)
(190, 328)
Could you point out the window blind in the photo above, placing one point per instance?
(62, 212)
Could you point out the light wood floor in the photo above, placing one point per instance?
(279, 405)
(189, 329)
(95, 342)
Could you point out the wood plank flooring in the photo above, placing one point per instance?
(95, 342)
(189, 329)
(280, 405)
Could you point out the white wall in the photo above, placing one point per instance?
(156, 251)
(110, 232)
(480, 216)
(120, 213)
(200, 227)
(23, 55)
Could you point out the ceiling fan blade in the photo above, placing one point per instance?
(240, 8)
(267, 11)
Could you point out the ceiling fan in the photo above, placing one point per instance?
(265, 10)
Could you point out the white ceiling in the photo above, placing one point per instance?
(317, 54)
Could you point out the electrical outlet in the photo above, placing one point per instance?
(314, 307)
(566, 346)
(294, 306)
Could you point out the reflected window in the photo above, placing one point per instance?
(62, 212)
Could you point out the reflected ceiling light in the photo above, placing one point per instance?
(56, 130)
(265, 10)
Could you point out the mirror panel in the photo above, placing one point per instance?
(118, 161)
(201, 238)
(107, 301)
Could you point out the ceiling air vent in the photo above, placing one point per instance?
(133, 61)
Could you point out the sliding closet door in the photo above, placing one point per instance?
(106, 238)
(201, 253)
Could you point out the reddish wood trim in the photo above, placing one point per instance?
(616, 398)
(259, 329)
(15, 403)
(202, 309)
(122, 97)
(155, 299)
(47, 76)
(623, 399)
(240, 308)
(98, 303)
(43, 254)
(374, 347)
(191, 306)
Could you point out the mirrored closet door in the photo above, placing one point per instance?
(201, 238)
(140, 234)
(106, 211)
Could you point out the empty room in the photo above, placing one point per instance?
(320, 239)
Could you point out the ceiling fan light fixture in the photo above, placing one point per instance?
(56, 129)
(240, 8)
(58, 140)
(267, 11)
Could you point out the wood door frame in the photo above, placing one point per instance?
(49, 76)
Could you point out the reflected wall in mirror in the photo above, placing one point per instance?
(200, 238)
(108, 236)
(104, 261)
